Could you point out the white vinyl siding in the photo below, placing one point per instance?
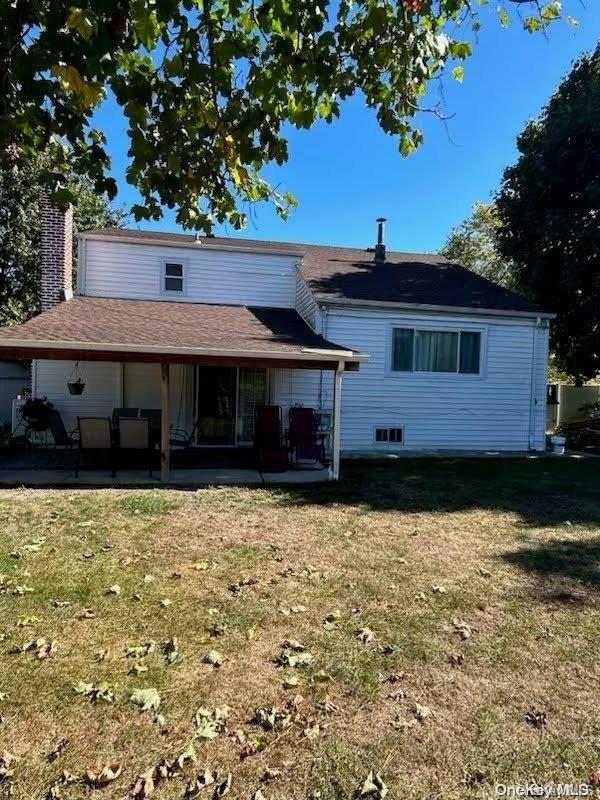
(101, 394)
(440, 411)
(306, 304)
(136, 270)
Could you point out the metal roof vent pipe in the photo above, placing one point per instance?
(380, 246)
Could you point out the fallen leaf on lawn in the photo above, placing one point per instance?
(104, 776)
(148, 578)
(421, 596)
(195, 786)
(114, 589)
(372, 787)
(214, 658)
(200, 566)
(140, 650)
(536, 718)
(404, 724)
(258, 795)
(138, 668)
(462, 628)
(456, 659)
(438, 589)
(298, 609)
(165, 602)
(103, 691)
(421, 712)
(217, 630)
(312, 731)
(485, 573)
(144, 785)
(26, 620)
(293, 654)
(222, 788)
(147, 699)
(290, 681)
(7, 769)
(251, 633)
(47, 650)
(209, 724)
(54, 754)
(364, 635)
(103, 654)
(61, 603)
(87, 613)
(170, 650)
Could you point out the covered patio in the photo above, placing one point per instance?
(168, 335)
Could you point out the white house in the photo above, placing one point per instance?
(430, 356)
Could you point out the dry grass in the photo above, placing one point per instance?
(510, 549)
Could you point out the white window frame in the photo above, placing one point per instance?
(163, 276)
(388, 427)
(445, 328)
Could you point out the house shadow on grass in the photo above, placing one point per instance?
(543, 492)
(565, 570)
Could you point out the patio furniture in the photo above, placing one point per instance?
(95, 437)
(127, 413)
(134, 435)
(179, 437)
(271, 453)
(306, 443)
(154, 417)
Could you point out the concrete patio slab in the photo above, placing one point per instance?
(179, 478)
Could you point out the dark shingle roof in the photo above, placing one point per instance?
(164, 326)
(351, 273)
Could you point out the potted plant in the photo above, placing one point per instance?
(76, 386)
(35, 412)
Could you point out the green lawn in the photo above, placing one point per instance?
(435, 621)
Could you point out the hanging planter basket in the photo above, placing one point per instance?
(75, 385)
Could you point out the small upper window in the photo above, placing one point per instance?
(172, 277)
(416, 350)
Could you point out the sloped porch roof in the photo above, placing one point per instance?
(108, 329)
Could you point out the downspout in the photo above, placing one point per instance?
(532, 392)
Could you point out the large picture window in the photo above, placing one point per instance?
(415, 350)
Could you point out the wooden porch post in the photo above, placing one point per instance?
(165, 451)
(337, 420)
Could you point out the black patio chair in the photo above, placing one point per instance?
(154, 417)
(180, 437)
(133, 435)
(95, 436)
(271, 453)
(306, 443)
(124, 413)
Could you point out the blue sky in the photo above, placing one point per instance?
(348, 173)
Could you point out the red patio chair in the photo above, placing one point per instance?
(306, 443)
(271, 453)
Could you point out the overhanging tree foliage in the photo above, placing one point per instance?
(549, 208)
(207, 86)
(20, 246)
(472, 244)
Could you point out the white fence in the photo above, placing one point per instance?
(570, 400)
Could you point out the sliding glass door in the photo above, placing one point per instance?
(225, 400)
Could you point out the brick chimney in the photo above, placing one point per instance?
(57, 253)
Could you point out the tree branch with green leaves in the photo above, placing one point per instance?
(208, 87)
